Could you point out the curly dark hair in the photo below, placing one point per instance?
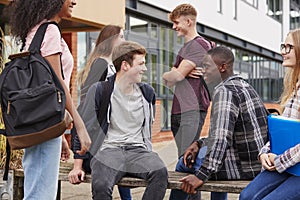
(26, 14)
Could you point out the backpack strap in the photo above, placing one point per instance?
(6, 168)
(38, 38)
(102, 99)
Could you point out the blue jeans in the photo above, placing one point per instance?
(41, 168)
(124, 193)
(180, 167)
(272, 185)
(111, 164)
(186, 128)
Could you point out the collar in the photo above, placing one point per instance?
(235, 76)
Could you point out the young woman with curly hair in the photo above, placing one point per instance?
(41, 162)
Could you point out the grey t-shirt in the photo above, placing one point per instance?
(126, 121)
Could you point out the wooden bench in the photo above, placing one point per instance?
(173, 182)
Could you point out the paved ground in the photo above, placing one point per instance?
(167, 151)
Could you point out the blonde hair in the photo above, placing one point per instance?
(183, 10)
(292, 75)
(104, 46)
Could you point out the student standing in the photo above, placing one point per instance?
(191, 98)
(273, 182)
(41, 162)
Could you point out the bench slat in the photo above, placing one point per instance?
(232, 186)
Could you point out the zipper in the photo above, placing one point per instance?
(8, 107)
(59, 96)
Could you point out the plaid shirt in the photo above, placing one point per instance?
(291, 156)
(238, 130)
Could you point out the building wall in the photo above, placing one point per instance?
(251, 24)
(100, 11)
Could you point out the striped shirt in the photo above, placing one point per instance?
(238, 130)
(291, 156)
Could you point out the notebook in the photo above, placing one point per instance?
(284, 133)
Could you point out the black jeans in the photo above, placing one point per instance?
(186, 128)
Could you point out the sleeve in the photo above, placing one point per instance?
(265, 149)
(99, 71)
(194, 52)
(225, 112)
(87, 111)
(288, 159)
(52, 41)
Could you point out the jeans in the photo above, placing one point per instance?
(272, 186)
(41, 168)
(186, 128)
(180, 167)
(111, 164)
(124, 193)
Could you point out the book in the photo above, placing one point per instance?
(284, 133)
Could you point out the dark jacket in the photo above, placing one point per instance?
(95, 113)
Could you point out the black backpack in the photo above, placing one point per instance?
(32, 98)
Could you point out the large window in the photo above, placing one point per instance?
(162, 45)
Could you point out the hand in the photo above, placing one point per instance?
(82, 133)
(272, 157)
(85, 141)
(65, 151)
(191, 152)
(76, 176)
(196, 73)
(190, 184)
(266, 162)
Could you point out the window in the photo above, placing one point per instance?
(294, 14)
(138, 25)
(253, 3)
(154, 33)
(275, 9)
(83, 50)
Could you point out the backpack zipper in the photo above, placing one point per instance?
(8, 107)
(59, 96)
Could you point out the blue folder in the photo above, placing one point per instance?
(284, 133)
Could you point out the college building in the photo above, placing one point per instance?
(252, 29)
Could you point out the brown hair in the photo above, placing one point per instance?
(104, 46)
(183, 10)
(126, 52)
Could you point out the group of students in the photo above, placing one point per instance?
(117, 110)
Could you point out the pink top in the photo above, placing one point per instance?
(50, 46)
